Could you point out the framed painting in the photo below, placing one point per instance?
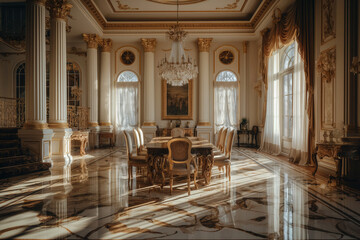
(176, 101)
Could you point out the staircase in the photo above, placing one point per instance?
(14, 160)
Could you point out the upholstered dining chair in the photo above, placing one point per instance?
(142, 140)
(181, 162)
(219, 136)
(139, 151)
(177, 132)
(224, 160)
(133, 159)
(220, 148)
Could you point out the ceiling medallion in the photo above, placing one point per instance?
(177, 71)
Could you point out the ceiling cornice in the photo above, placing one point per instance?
(146, 25)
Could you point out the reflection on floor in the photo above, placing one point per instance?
(265, 199)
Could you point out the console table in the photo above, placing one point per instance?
(107, 135)
(253, 133)
(338, 152)
(83, 137)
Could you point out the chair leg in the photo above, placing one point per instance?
(228, 170)
(129, 171)
(171, 182)
(195, 183)
(188, 184)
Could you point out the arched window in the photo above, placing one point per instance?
(20, 81)
(286, 96)
(73, 84)
(127, 100)
(226, 99)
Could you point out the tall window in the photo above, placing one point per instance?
(286, 78)
(73, 83)
(127, 100)
(225, 99)
(286, 125)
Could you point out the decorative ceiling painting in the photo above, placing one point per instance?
(190, 10)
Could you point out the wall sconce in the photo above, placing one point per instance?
(355, 66)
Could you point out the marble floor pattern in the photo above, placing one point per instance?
(266, 198)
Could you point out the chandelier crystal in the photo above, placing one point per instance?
(177, 70)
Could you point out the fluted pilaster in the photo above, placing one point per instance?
(149, 45)
(58, 83)
(204, 81)
(35, 96)
(92, 76)
(106, 45)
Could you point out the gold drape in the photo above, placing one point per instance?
(297, 23)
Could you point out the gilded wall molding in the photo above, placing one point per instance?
(58, 8)
(149, 44)
(204, 44)
(326, 64)
(245, 46)
(92, 40)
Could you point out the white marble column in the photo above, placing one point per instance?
(61, 144)
(204, 128)
(93, 87)
(35, 134)
(105, 90)
(149, 125)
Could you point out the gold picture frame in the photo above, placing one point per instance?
(176, 101)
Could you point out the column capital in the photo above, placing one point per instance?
(58, 8)
(204, 44)
(149, 44)
(106, 45)
(92, 40)
(245, 46)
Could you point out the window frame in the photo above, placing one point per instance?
(236, 84)
(283, 52)
(137, 84)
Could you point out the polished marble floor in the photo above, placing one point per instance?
(266, 198)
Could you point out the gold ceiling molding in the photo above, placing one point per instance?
(174, 2)
(231, 5)
(107, 25)
(260, 13)
(125, 7)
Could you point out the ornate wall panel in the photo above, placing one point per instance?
(328, 59)
(328, 20)
(127, 58)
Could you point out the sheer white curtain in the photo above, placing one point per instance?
(225, 100)
(271, 141)
(225, 105)
(126, 98)
(127, 107)
(299, 146)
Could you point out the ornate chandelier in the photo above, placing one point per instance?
(177, 71)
